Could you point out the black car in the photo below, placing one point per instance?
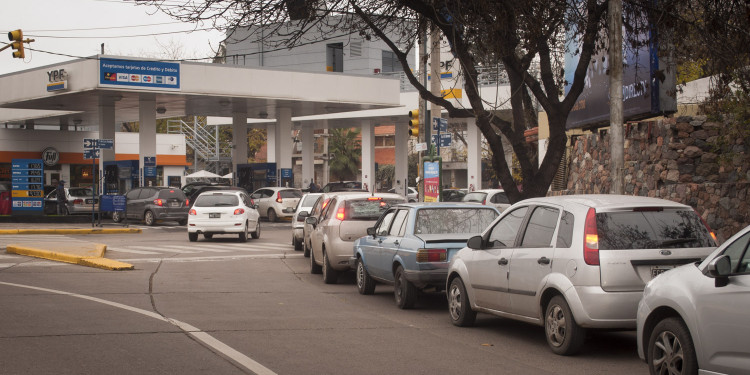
(152, 204)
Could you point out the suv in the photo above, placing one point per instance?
(276, 202)
(569, 263)
(151, 204)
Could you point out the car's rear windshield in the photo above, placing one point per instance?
(453, 220)
(309, 200)
(171, 193)
(217, 200)
(651, 229)
(474, 197)
(80, 192)
(368, 209)
(291, 194)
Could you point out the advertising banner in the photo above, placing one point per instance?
(141, 74)
(431, 181)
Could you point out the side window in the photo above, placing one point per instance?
(133, 194)
(500, 198)
(397, 229)
(738, 254)
(541, 227)
(146, 193)
(328, 209)
(565, 231)
(505, 231)
(385, 224)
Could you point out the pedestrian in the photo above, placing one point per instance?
(313, 187)
(62, 198)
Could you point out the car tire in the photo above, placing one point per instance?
(208, 236)
(243, 234)
(459, 306)
(256, 233)
(182, 222)
(297, 244)
(305, 249)
(117, 216)
(403, 290)
(148, 218)
(314, 267)
(272, 217)
(669, 338)
(365, 283)
(330, 275)
(193, 237)
(564, 335)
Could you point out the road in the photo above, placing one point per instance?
(222, 307)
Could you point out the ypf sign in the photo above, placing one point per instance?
(50, 156)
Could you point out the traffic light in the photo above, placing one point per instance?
(414, 123)
(16, 38)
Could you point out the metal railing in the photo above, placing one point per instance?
(204, 141)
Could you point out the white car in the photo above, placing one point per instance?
(298, 221)
(223, 212)
(693, 319)
(412, 195)
(492, 197)
(276, 202)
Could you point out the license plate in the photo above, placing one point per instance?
(174, 204)
(214, 215)
(658, 270)
(89, 201)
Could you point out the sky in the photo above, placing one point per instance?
(67, 29)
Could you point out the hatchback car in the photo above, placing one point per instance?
(412, 195)
(276, 202)
(573, 262)
(494, 197)
(298, 221)
(152, 204)
(452, 195)
(344, 219)
(223, 212)
(411, 245)
(81, 200)
(694, 319)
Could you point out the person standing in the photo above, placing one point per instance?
(62, 198)
(313, 187)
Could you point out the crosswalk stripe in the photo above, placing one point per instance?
(152, 248)
(201, 248)
(126, 250)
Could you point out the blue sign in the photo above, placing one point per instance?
(439, 124)
(106, 143)
(149, 161)
(149, 171)
(90, 143)
(142, 74)
(27, 194)
(91, 153)
(445, 140)
(286, 172)
(110, 203)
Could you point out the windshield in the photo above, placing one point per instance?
(368, 209)
(80, 192)
(309, 200)
(453, 220)
(291, 194)
(651, 230)
(171, 193)
(217, 200)
(474, 197)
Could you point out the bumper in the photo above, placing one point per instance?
(223, 227)
(424, 278)
(171, 214)
(595, 308)
(339, 254)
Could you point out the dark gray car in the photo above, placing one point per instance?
(152, 204)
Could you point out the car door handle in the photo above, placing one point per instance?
(543, 260)
(502, 262)
(395, 242)
(380, 240)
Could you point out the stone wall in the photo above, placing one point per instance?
(686, 159)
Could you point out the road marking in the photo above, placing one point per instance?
(151, 248)
(199, 335)
(132, 251)
(201, 248)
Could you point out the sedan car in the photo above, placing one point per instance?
(80, 201)
(298, 220)
(694, 319)
(570, 263)
(411, 245)
(490, 197)
(223, 212)
(276, 202)
(344, 219)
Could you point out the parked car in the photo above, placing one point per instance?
(190, 188)
(694, 319)
(452, 195)
(574, 262)
(155, 203)
(344, 219)
(298, 221)
(411, 245)
(80, 201)
(315, 211)
(495, 197)
(276, 202)
(332, 187)
(223, 212)
(411, 196)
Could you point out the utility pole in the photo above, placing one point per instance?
(616, 139)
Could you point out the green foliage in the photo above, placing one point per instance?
(346, 148)
(732, 109)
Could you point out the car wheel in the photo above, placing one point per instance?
(314, 267)
(305, 249)
(256, 234)
(208, 236)
(671, 349)
(117, 216)
(365, 283)
(148, 218)
(297, 244)
(243, 235)
(330, 275)
(404, 291)
(182, 222)
(193, 237)
(458, 304)
(272, 217)
(564, 335)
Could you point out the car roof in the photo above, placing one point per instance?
(277, 188)
(487, 191)
(349, 195)
(445, 205)
(221, 192)
(607, 201)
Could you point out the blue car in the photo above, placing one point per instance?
(411, 245)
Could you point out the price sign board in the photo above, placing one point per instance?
(28, 187)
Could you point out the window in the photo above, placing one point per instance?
(453, 220)
(651, 228)
(738, 254)
(541, 227)
(146, 193)
(291, 194)
(390, 62)
(505, 231)
(133, 194)
(565, 231)
(328, 208)
(335, 57)
(217, 200)
(399, 223)
(500, 198)
(385, 224)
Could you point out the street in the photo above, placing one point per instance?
(223, 307)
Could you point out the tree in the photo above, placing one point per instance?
(346, 150)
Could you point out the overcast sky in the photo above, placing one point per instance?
(66, 29)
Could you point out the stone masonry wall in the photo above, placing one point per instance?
(686, 159)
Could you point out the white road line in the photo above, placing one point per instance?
(201, 248)
(201, 336)
(159, 248)
(211, 258)
(132, 251)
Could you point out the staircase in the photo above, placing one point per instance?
(210, 152)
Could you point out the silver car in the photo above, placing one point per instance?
(489, 197)
(276, 202)
(573, 262)
(344, 219)
(694, 319)
(305, 204)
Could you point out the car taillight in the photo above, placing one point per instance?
(484, 202)
(591, 239)
(713, 235)
(239, 211)
(78, 201)
(278, 197)
(373, 198)
(192, 212)
(158, 202)
(187, 202)
(432, 255)
(340, 214)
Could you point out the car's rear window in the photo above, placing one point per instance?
(453, 220)
(309, 200)
(474, 197)
(291, 194)
(217, 200)
(80, 192)
(651, 229)
(368, 209)
(171, 193)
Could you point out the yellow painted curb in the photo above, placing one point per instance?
(91, 258)
(107, 264)
(72, 231)
(8, 231)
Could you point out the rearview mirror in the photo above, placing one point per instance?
(311, 220)
(475, 243)
(371, 231)
(720, 268)
(303, 214)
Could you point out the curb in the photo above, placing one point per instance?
(72, 231)
(84, 260)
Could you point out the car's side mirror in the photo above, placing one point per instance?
(303, 214)
(719, 269)
(371, 231)
(311, 220)
(475, 243)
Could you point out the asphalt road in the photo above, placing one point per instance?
(222, 307)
